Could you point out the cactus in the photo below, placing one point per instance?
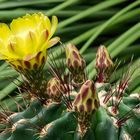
(69, 106)
(95, 110)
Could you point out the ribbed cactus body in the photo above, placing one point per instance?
(54, 122)
(61, 128)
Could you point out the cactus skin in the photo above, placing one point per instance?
(61, 127)
(104, 128)
(52, 119)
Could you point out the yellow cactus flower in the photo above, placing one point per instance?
(24, 44)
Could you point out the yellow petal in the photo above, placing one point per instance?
(20, 45)
(31, 43)
(4, 32)
(8, 52)
(21, 26)
(54, 25)
(12, 51)
(45, 22)
(43, 39)
(51, 43)
(41, 21)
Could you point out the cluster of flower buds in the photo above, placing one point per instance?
(76, 64)
(103, 64)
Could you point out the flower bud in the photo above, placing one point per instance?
(86, 100)
(85, 104)
(54, 89)
(75, 63)
(103, 64)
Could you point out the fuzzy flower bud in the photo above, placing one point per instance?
(85, 104)
(54, 89)
(75, 63)
(103, 64)
(86, 100)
